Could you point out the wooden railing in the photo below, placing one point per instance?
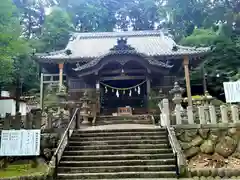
(73, 124)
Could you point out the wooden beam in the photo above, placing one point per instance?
(187, 78)
(122, 78)
(49, 75)
(118, 71)
(52, 82)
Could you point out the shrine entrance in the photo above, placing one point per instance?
(117, 94)
(123, 86)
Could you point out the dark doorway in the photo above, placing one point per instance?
(122, 93)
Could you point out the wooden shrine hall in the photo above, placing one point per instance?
(119, 69)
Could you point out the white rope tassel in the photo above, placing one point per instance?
(106, 90)
(130, 93)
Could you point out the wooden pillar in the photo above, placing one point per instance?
(187, 78)
(41, 91)
(98, 97)
(60, 66)
(148, 92)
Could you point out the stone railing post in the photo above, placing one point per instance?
(235, 113)
(16, 121)
(201, 115)
(61, 119)
(36, 118)
(165, 113)
(213, 116)
(7, 121)
(28, 122)
(177, 99)
(224, 114)
(49, 122)
(190, 115)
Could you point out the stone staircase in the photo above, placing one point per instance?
(118, 154)
(134, 119)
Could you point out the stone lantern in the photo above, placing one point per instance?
(207, 98)
(62, 96)
(84, 110)
(177, 92)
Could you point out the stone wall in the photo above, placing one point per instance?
(216, 149)
(49, 142)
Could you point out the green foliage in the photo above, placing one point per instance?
(193, 23)
(200, 37)
(55, 33)
(11, 45)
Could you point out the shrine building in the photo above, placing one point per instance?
(119, 69)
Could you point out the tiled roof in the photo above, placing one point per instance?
(93, 45)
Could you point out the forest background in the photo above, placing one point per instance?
(29, 26)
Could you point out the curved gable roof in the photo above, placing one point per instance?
(93, 45)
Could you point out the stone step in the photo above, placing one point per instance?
(117, 157)
(119, 138)
(142, 174)
(116, 142)
(125, 121)
(112, 134)
(122, 146)
(140, 130)
(117, 151)
(145, 179)
(102, 169)
(134, 162)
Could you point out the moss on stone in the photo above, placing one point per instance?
(22, 169)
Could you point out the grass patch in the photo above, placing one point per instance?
(22, 169)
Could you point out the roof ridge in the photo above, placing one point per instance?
(86, 35)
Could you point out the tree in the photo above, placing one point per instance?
(32, 15)
(200, 38)
(11, 45)
(56, 31)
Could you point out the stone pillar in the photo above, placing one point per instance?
(165, 113)
(187, 78)
(190, 115)
(201, 114)
(60, 66)
(16, 122)
(36, 118)
(213, 116)
(177, 99)
(28, 122)
(7, 122)
(235, 113)
(224, 114)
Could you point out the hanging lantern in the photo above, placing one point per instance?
(106, 90)
(130, 93)
(123, 91)
(135, 89)
(117, 93)
(112, 90)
